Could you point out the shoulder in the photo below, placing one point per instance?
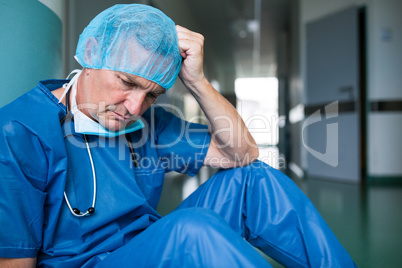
(34, 113)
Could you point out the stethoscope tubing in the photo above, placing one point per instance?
(75, 211)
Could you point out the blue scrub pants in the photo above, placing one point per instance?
(260, 204)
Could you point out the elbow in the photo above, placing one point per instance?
(249, 157)
(253, 154)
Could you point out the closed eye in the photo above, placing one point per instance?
(152, 95)
(127, 83)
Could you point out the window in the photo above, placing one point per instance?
(257, 103)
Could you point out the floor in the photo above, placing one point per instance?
(367, 221)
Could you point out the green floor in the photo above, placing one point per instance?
(367, 221)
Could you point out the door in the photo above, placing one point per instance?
(332, 129)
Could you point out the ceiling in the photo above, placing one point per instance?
(242, 35)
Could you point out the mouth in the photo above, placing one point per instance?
(122, 117)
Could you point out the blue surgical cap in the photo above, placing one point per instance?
(136, 39)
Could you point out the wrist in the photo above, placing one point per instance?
(198, 86)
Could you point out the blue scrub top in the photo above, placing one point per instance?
(40, 159)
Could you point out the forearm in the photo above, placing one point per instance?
(229, 133)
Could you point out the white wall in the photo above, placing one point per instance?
(385, 83)
(385, 67)
(385, 151)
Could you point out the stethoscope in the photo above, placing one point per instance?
(69, 118)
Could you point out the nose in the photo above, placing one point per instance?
(135, 102)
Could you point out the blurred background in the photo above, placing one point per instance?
(318, 83)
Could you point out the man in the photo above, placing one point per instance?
(82, 165)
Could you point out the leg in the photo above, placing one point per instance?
(193, 237)
(269, 210)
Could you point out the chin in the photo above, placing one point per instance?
(113, 127)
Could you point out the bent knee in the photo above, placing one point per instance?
(197, 220)
(254, 169)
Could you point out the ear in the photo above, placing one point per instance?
(90, 48)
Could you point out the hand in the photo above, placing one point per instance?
(191, 46)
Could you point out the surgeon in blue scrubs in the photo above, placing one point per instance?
(82, 164)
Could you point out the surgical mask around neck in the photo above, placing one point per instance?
(85, 125)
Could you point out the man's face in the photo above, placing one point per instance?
(115, 99)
